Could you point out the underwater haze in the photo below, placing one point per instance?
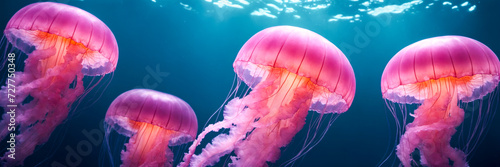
(187, 49)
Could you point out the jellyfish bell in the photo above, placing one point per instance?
(290, 70)
(63, 44)
(61, 30)
(278, 51)
(153, 120)
(438, 73)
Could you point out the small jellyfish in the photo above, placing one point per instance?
(290, 70)
(153, 120)
(63, 43)
(438, 73)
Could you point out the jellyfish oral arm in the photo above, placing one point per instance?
(267, 141)
(148, 147)
(288, 106)
(51, 102)
(431, 131)
(222, 144)
(264, 121)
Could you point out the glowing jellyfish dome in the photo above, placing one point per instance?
(153, 120)
(290, 70)
(63, 43)
(438, 73)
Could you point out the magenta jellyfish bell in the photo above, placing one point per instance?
(153, 120)
(290, 70)
(63, 43)
(440, 73)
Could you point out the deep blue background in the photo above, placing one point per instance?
(197, 48)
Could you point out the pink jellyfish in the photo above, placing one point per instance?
(290, 70)
(153, 120)
(438, 73)
(63, 43)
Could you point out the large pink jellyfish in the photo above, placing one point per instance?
(63, 43)
(153, 120)
(438, 73)
(291, 71)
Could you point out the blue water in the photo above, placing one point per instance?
(193, 44)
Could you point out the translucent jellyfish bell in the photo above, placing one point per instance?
(153, 120)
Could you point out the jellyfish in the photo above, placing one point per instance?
(438, 73)
(63, 43)
(290, 70)
(153, 120)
